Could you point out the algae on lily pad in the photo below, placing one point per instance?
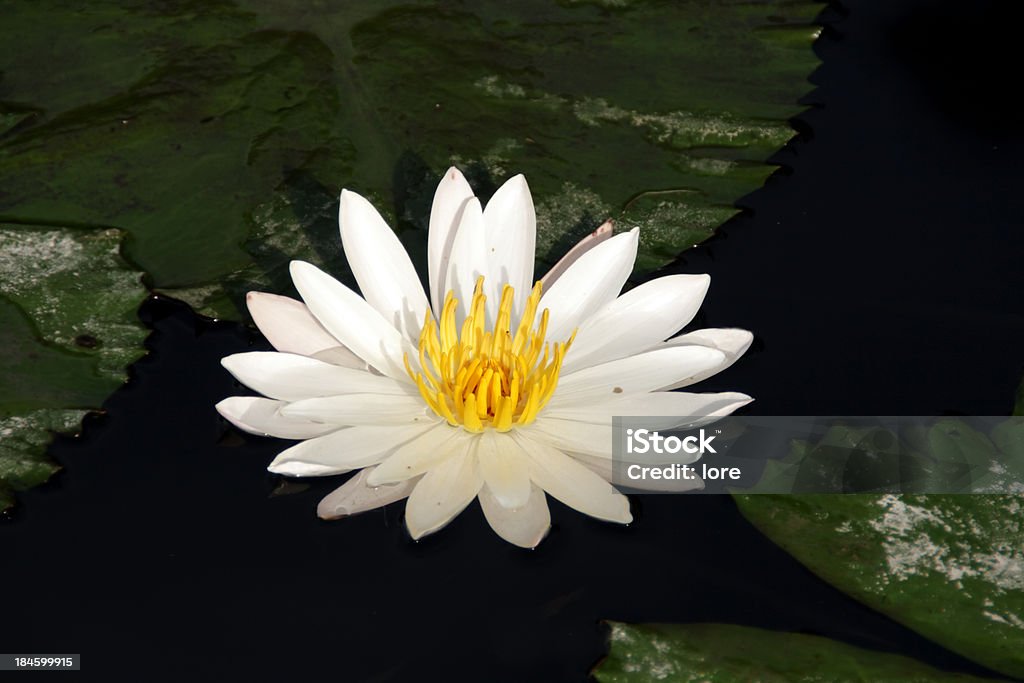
(68, 329)
(725, 653)
(216, 137)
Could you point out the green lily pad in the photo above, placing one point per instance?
(183, 127)
(950, 567)
(216, 136)
(724, 653)
(68, 328)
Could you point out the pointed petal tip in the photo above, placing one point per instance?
(331, 512)
(291, 468)
(415, 532)
(223, 407)
(453, 174)
(532, 543)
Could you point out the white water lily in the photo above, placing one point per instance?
(493, 386)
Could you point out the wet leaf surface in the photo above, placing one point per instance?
(724, 653)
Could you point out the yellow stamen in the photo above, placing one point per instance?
(482, 378)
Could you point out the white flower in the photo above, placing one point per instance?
(497, 388)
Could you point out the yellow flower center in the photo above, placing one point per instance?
(483, 378)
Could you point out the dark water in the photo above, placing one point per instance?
(879, 271)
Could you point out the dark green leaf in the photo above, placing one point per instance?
(71, 353)
(948, 566)
(724, 653)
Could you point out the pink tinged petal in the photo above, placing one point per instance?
(356, 495)
(511, 239)
(674, 409)
(362, 409)
(468, 258)
(571, 436)
(572, 483)
(442, 493)
(730, 341)
(637, 320)
(524, 526)
(352, 321)
(603, 468)
(288, 324)
(343, 450)
(643, 372)
(588, 284)
(419, 455)
(603, 232)
(263, 416)
(291, 377)
(381, 266)
(450, 199)
(503, 467)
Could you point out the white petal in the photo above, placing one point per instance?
(511, 239)
(291, 377)
(362, 409)
(603, 468)
(355, 496)
(571, 435)
(524, 526)
(679, 406)
(572, 483)
(417, 456)
(442, 493)
(637, 320)
(450, 199)
(353, 321)
(603, 232)
(343, 450)
(643, 372)
(288, 324)
(467, 260)
(383, 270)
(503, 467)
(262, 416)
(730, 341)
(339, 355)
(588, 284)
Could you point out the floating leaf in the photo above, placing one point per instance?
(724, 653)
(71, 353)
(949, 567)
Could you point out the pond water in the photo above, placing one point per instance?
(879, 272)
